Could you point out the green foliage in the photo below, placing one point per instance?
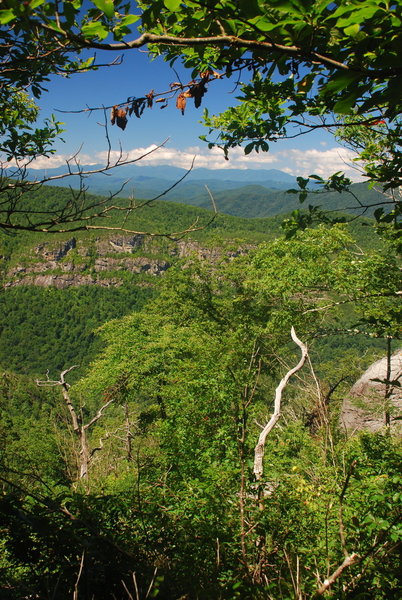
(170, 491)
(18, 137)
(302, 58)
(60, 325)
(303, 62)
(170, 496)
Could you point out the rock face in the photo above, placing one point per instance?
(58, 253)
(366, 405)
(104, 262)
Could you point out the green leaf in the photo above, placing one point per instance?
(95, 29)
(302, 182)
(352, 30)
(35, 3)
(263, 24)
(341, 81)
(358, 16)
(106, 6)
(6, 16)
(172, 5)
(249, 148)
(344, 106)
(129, 20)
(54, 26)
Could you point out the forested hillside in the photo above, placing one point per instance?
(250, 193)
(174, 380)
(149, 453)
(56, 293)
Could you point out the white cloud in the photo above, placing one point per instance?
(321, 161)
(210, 159)
(54, 161)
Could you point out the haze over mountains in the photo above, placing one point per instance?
(249, 193)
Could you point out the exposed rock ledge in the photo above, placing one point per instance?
(73, 263)
(64, 281)
(365, 407)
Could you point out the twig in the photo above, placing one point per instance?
(341, 497)
(75, 594)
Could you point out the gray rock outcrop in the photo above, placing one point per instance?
(366, 405)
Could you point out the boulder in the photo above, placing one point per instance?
(366, 405)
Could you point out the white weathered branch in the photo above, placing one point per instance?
(98, 414)
(65, 387)
(349, 560)
(260, 447)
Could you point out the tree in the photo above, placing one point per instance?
(30, 54)
(84, 454)
(306, 63)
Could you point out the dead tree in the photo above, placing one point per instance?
(80, 428)
(260, 447)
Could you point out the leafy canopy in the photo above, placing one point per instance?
(298, 66)
(301, 58)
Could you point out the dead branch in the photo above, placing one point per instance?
(98, 414)
(65, 387)
(349, 560)
(79, 427)
(75, 594)
(79, 212)
(260, 447)
(341, 498)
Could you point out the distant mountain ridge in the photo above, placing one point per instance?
(148, 181)
(275, 178)
(250, 193)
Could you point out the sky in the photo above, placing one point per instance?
(317, 152)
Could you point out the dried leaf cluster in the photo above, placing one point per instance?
(194, 89)
(118, 116)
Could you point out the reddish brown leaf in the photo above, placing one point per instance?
(150, 98)
(197, 91)
(121, 118)
(205, 75)
(181, 102)
(376, 122)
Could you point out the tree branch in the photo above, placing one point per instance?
(349, 560)
(260, 447)
(226, 40)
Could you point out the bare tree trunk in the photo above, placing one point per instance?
(129, 435)
(254, 369)
(349, 560)
(80, 429)
(85, 456)
(260, 447)
(388, 385)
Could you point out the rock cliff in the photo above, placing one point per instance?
(105, 262)
(366, 405)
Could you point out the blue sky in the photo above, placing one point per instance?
(136, 76)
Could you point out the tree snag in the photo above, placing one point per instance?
(79, 427)
(260, 447)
